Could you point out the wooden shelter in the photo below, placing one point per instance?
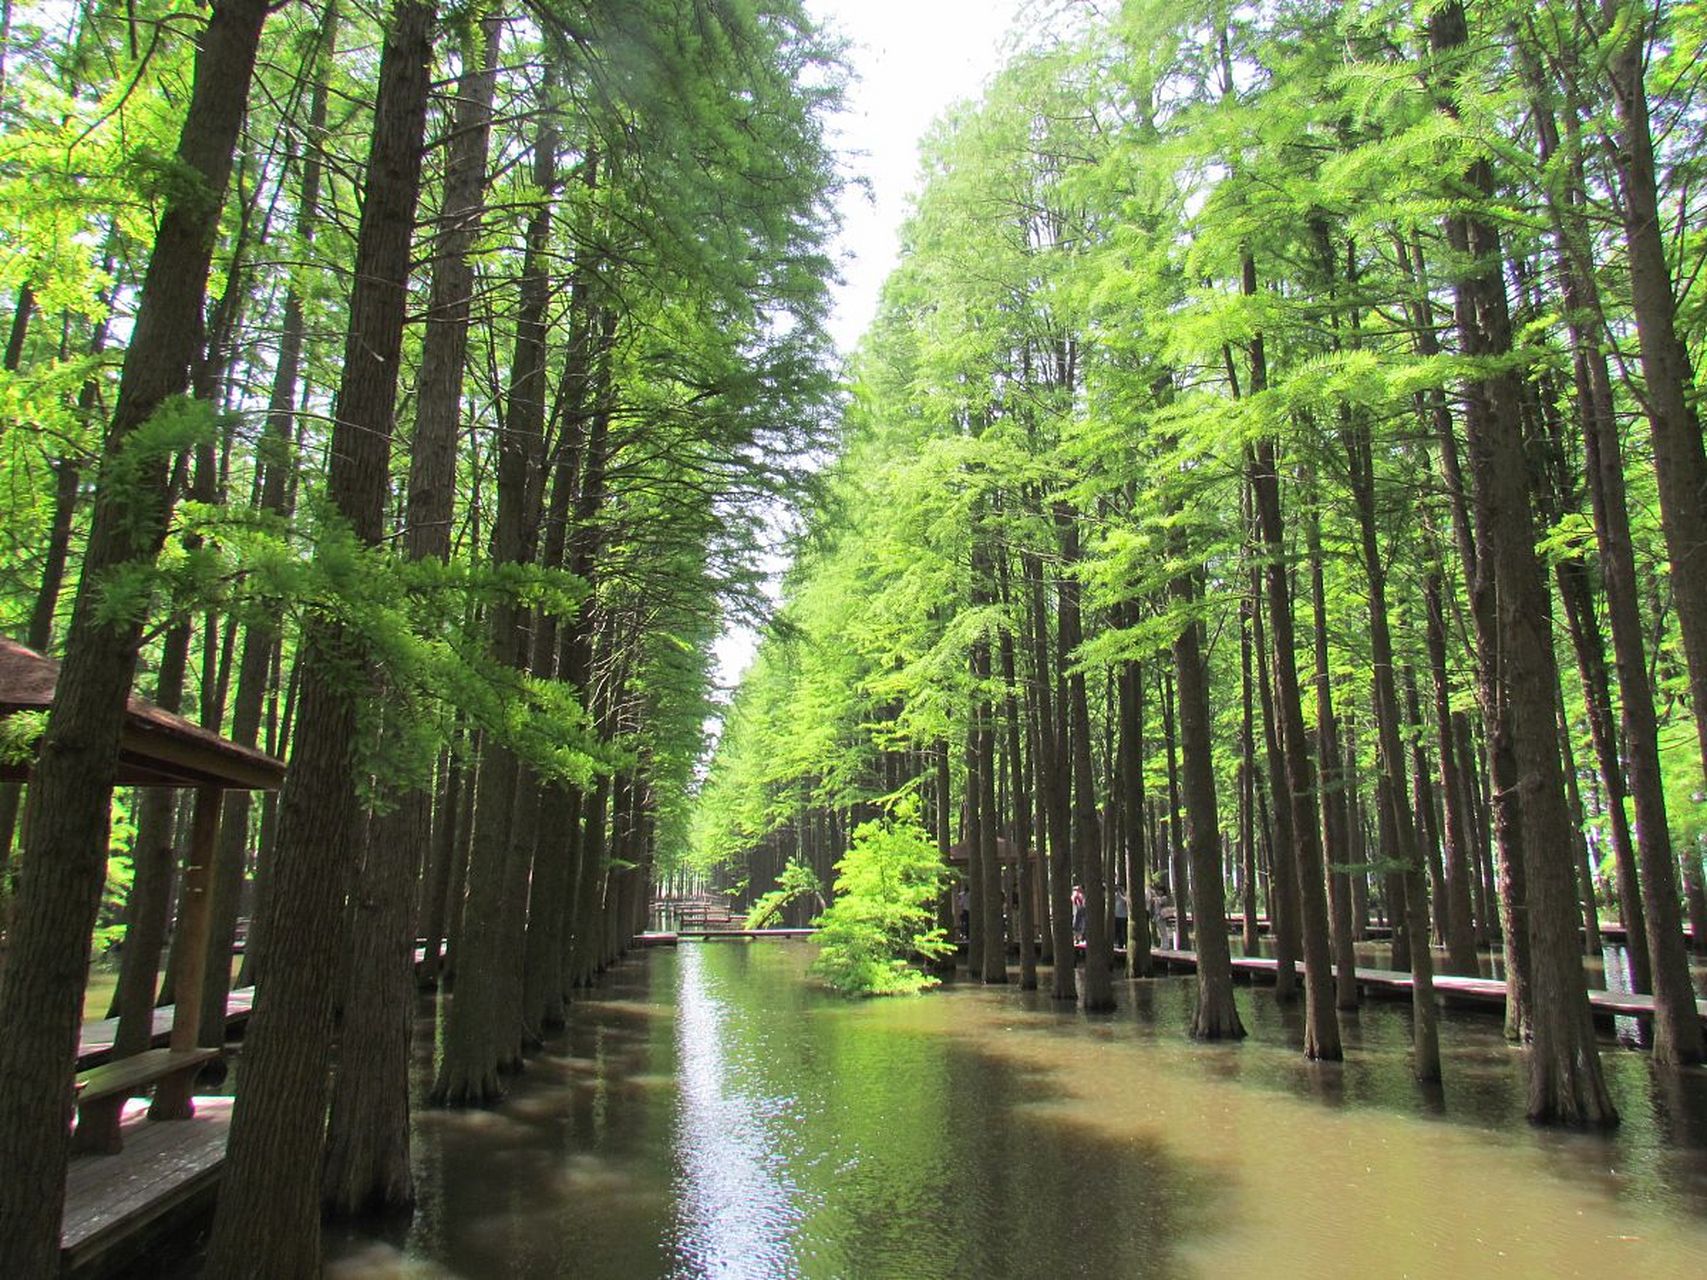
(160, 749)
(1006, 853)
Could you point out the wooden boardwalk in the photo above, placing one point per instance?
(117, 1205)
(96, 1043)
(1610, 931)
(673, 937)
(1454, 989)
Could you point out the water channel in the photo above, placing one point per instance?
(712, 1114)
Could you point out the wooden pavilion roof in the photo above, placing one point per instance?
(1005, 852)
(158, 749)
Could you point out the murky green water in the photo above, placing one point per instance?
(712, 1114)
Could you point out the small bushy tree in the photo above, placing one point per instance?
(797, 881)
(883, 916)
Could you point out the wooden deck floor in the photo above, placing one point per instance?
(1487, 992)
(115, 1205)
(96, 1043)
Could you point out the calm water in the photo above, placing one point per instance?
(713, 1115)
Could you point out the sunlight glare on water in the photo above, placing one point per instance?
(735, 1206)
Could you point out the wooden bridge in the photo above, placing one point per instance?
(672, 937)
(701, 912)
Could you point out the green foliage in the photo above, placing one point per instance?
(797, 881)
(882, 919)
(19, 734)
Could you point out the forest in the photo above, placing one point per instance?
(1268, 498)
(401, 389)
(1273, 483)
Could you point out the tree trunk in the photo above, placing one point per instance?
(154, 858)
(972, 840)
(462, 844)
(1427, 811)
(64, 863)
(1063, 983)
(1178, 874)
(1565, 1080)
(269, 1204)
(1336, 834)
(1098, 993)
(1139, 963)
(435, 893)
(1680, 463)
(430, 497)
(1283, 878)
(1216, 1017)
(483, 1032)
(1248, 782)
(1321, 1028)
(1676, 1026)
(1019, 813)
(1460, 918)
(948, 919)
(1425, 1031)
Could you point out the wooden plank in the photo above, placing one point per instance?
(115, 1204)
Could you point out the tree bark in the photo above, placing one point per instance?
(1425, 1031)
(483, 1031)
(154, 859)
(1064, 985)
(1676, 1026)
(1248, 782)
(431, 492)
(1139, 963)
(1019, 812)
(1283, 877)
(1460, 918)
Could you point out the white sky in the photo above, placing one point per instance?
(912, 59)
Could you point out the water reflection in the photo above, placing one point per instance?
(736, 1208)
(710, 1113)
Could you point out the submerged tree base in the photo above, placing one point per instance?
(467, 1094)
(1216, 1018)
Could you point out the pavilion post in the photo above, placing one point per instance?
(172, 1096)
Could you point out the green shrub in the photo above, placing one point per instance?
(883, 917)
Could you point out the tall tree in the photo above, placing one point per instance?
(64, 860)
(269, 1209)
